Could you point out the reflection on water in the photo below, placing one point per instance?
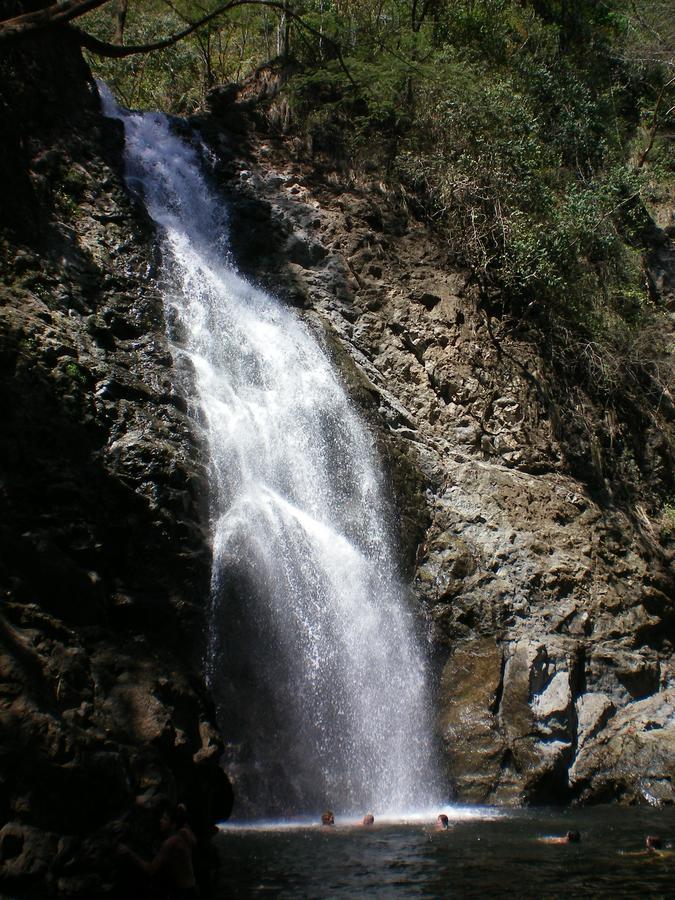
(485, 853)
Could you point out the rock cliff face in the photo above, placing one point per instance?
(104, 567)
(549, 601)
(549, 596)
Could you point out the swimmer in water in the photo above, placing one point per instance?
(653, 848)
(368, 820)
(327, 819)
(442, 822)
(571, 837)
(172, 865)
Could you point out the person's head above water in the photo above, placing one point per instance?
(166, 816)
(368, 819)
(570, 837)
(653, 842)
(180, 815)
(327, 818)
(442, 821)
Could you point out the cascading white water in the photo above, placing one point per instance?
(312, 648)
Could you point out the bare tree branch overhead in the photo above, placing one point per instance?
(56, 14)
(63, 13)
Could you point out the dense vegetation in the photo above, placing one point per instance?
(533, 133)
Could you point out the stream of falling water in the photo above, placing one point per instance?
(312, 650)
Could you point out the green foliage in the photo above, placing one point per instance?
(517, 123)
(177, 78)
(668, 519)
(514, 153)
(75, 372)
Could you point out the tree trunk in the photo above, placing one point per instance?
(121, 8)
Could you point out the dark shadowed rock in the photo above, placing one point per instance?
(104, 567)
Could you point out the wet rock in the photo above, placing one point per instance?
(593, 713)
(469, 693)
(449, 561)
(304, 251)
(633, 755)
(534, 715)
(621, 674)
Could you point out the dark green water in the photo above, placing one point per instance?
(494, 854)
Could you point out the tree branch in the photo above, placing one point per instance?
(655, 123)
(65, 11)
(56, 14)
(121, 9)
(115, 51)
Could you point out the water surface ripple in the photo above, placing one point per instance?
(487, 854)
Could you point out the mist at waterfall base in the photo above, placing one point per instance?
(313, 655)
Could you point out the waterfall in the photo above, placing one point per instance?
(312, 652)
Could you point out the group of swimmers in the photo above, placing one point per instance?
(653, 843)
(328, 819)
(443, 824)
(172, 864)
